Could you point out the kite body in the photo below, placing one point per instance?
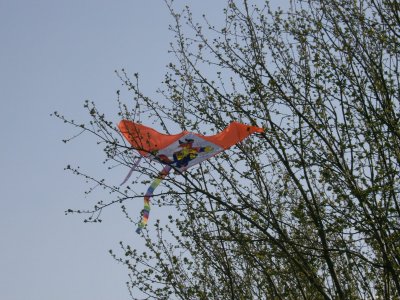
(179, 151)
(185, 149)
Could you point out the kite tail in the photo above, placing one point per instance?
(146, 210)
(134, 166)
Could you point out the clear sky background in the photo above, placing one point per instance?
(53, 56)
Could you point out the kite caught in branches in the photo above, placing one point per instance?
(178, 151)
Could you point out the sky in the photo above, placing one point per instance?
(53, 56)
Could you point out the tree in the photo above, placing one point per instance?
(309, 209)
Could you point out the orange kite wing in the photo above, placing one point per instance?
(145, 139)
(231, 135)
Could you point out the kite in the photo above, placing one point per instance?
(178, 151)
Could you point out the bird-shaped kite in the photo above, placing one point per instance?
(178, 151)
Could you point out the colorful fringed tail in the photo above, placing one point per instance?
(146, 210)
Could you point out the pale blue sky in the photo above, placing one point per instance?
(53, 56)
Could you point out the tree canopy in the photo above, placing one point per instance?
(310, 208)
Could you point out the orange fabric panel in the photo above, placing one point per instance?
(232, 134)
(146, 139)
